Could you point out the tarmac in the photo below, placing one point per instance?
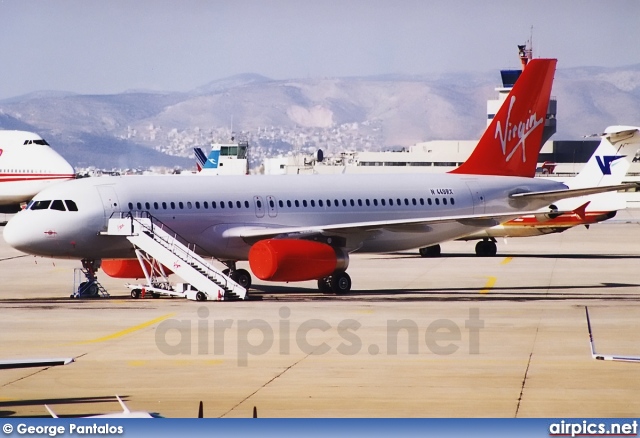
(455, 336)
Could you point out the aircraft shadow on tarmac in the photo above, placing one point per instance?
(521, 293)
(411, 255)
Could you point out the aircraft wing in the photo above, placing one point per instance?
(417, 225)
(556, 195)
(31, 363)
(598, 356)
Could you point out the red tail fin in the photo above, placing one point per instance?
(511, 143)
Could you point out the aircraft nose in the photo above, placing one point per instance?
(17, 235)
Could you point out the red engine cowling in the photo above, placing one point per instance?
(125, 268)
(295, 260)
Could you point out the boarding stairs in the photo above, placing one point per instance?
(206, 281)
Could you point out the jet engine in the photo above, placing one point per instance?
(126, 268)
(295, 260)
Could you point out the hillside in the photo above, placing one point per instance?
(151, 128)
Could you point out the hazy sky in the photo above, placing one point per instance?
(111, 46)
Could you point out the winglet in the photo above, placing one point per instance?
(512, 142)
(53, 414)
(593, 348)
(125, 409)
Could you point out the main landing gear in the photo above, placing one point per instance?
(486, 248)
(430, 251)
(240, 276)
(339, 283)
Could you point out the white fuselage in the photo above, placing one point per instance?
(28, 165)
(186, 205)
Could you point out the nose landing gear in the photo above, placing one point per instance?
(91, 288)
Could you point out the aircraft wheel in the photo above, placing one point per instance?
(340, 283)
(200, 296)
(135, 293)
(242, 277)
(486, 248)
(92, 290)
(430, 251)
(324, 285)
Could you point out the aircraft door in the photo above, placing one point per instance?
(109, 200)
(476, 196)
(259, 204)
(271, 206)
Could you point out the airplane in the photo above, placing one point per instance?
(303, 227)
(27, 165)
(599, 356)
(201, 158)
(224, 159)
(126, 412)
(605, 167)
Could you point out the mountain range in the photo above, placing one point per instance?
(142, 128)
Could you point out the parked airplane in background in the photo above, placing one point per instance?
(126, 413)
(224, 159)
(605, 167)
(303, 227)
(27, 165)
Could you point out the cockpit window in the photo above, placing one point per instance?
(41, 142)
(57, 205)
(40, 205)
(71, 206)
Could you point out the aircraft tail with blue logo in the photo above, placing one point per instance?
(214, 157)
(201, 158)
(210, 163)
(607, 167)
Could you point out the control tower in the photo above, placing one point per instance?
(509, 78)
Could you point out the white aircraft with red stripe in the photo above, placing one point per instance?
(303, 227)
(27, 165)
